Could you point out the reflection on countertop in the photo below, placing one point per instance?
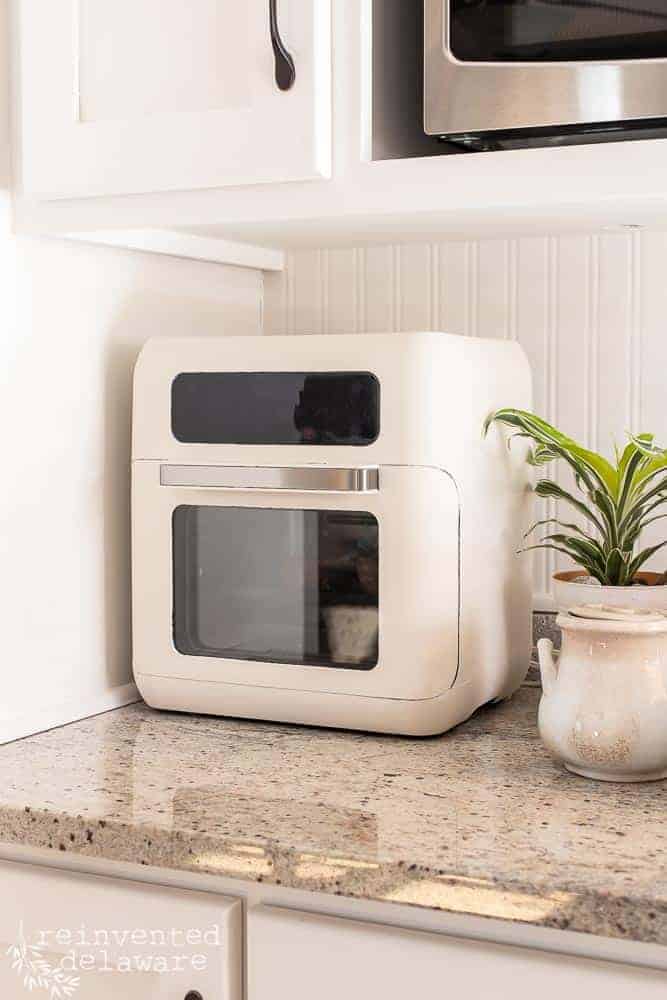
(479, 821)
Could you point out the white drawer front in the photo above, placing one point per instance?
(80, 937)
(298, 956)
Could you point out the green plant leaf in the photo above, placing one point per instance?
(584, 462)
(643, 557)
(648, 474)
(633, 462)
(540, 454)
(638, 442)
(582, 564)
(605, 505)
(616, 568)
(644, 505)
(554, 520)
(656, 458)
(644, 443)
(547, 489)
(641, 509)
(617, 500)
(581, 549)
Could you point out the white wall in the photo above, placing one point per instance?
(590, 310)
(72, 319)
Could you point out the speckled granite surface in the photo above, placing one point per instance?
(479, 821)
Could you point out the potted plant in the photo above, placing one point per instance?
(618, 500)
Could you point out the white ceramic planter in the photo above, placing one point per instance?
(603, 711)
(569, 594)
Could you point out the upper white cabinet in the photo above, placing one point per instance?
(169, 112)
(139, 96)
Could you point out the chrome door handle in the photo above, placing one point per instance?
(284, 68)
(295, 479)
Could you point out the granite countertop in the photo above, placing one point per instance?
(478, 821)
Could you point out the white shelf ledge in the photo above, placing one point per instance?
(188, 245)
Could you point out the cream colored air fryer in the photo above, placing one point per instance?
(321, 535)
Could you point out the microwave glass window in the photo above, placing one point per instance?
(557, 30)
(275, 408)
(282, 586)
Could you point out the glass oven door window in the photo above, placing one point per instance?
(557, 30)
(279, 586)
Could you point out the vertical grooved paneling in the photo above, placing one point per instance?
(471, 293)
(429, 284)
(378, 290)
(614, 335)
(551, 363)
(274, 302)
(533, 329)
(291, 298)
(306, 284)
(360, 279)
(572, 359)
(648, 355)
(474, 289)
(415, 299)
(657, 292)
(452, 287)
(341, 292)
(592, 381)
(396, 289)
(435, 287)
(489, 280)
(356, 296)
(324, 290)
(513, 291)
(589, 310)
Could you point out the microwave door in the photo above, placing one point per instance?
(498, 70)
(557, 30)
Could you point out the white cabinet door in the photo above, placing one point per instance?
(156, 95)
(66, 936)
(298, 956)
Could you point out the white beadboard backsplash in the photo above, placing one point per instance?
(589, 309)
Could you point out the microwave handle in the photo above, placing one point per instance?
(294, 479)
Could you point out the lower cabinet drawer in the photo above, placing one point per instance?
(301, 956)
(67, 936)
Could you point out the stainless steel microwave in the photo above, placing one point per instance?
(504, 69)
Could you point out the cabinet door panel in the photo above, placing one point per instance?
(154, 95)
(105, 938)
(298, 956)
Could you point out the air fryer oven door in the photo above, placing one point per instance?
(502, 65)
(312, 579)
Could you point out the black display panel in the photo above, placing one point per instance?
(557, 30)
(275, 408)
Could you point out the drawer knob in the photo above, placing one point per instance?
(193, 995)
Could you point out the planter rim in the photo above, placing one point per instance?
(650, 581)
(604, 626)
